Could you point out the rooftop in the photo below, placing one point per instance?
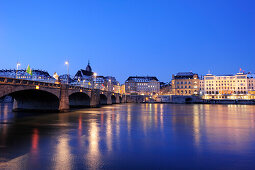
(142, 78)
(185, 74)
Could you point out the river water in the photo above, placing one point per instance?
(130, 136)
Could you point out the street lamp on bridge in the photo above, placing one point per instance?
(94, 76)
(17, 66)
(67, 64)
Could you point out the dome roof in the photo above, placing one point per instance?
(88, 68)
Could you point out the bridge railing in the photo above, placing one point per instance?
(24, 82)
(14, 81)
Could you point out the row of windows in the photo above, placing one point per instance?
(219, 85)
(225, 85)
(183, 87)
(146, 84)
(225, 88)
(183, 82)
(219, 78)
(184, 91)
(225, 81)
(148, 90)
(235, 92)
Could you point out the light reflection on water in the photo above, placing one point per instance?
(130, 136)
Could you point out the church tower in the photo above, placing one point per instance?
(88, 68)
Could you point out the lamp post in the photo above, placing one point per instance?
(110, 87)
(67, 64)
(18, 64)
(94, 76)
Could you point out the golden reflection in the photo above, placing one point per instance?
(93, 150)
(229, 123)
(148, 119)
(117, 125)
(156, 115)
(129, 119)
(196, 124)
(150, 108)
(161, 117)
(80, 130)
(63, 119)
(146, 106)
(63, 155)
(109, 133)
(102, 118)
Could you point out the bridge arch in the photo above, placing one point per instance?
(32, 99)
(6, 90)
(103, 99)
(79, 99)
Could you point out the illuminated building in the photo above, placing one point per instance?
(142, 85)
(37, 75)
(100, 83)
(111, 82)
(185, 83)
(165, 88)
(87, 78)
(84, 77)
(251, 84)
(122, 89)
(116, 88)
(239, 86)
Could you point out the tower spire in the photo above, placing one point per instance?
(88, 68)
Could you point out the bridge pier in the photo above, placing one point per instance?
(95, 98)
(124, 99)
(117, 98)
(109, 97)
(64, 99)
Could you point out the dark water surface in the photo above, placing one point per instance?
(130, 136)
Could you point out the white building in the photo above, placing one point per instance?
(239, 86)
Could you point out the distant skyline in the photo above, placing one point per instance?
(129, 37)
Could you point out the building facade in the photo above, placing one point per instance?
(143, 85)
(238, 86)
(251, 84)
(122, 89)
(185, 83)
(37, 75)
(84, 78)
(165, 88)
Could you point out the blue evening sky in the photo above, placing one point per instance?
(129, 37)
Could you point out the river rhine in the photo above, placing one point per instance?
(130, 136)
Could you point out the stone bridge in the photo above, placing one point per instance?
(35, 95)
